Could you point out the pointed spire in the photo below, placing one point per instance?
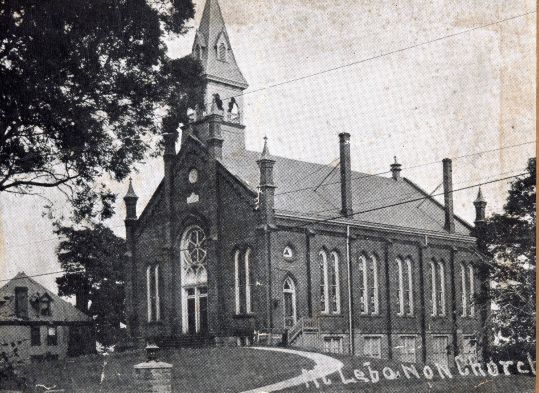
(265, 151)
(130, 191)
(211, 36)
(480, 197)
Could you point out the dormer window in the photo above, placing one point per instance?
(221, 52)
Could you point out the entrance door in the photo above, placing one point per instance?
(289, 293)
(439, 350)
(197, 310)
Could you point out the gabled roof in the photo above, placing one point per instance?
(61, 310)
(212, 29)
(369, 194)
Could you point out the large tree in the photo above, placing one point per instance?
(93, 259)
(85, 88)
(509, 238)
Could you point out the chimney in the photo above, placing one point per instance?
(448, 195)
(215, 138)
(267, 187)
(396, 169)
(480, 203)
(346, 175)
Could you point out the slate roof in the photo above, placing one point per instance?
(61, 310)
(212, 26)
(369, 194)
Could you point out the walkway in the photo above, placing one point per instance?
(324, 366)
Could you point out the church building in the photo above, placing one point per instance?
(236, 245)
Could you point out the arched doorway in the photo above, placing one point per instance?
(194, 281)
(289, 303)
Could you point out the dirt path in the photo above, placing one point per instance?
(324, 366)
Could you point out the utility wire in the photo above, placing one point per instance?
(384, 54)
(314, 222)
(322, 166)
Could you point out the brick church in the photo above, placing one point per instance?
(236, 244)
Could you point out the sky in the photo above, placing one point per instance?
(415, 90)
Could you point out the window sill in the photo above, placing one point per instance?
(406, 316)
(326, 315)
(370, 315)
(244, 316)
(155, 323)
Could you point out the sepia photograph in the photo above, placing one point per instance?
(254, 196)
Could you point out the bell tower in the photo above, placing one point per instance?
(224, 83)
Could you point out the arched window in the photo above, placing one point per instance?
(463, 284)
(334, 287)
(363, 285)
(400, 288)
(242, 281)
(233, 110)
(441, 288)
(433, 293)
(410, 287)
(374, 281)
(324, 293)
(152, 293)
(194, 281)
(289, 301)
(472, 289)
(247, 261)
(222, 52)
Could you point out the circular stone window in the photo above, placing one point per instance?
(193, 176)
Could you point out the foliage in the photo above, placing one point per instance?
(10, 360)
(93, 260)
(510, 239)
(86, 87)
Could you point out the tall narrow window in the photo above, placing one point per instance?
(433, 293)
(409, 288)
(374, 281)
(335, 293)
(248, 281)
(237, 281)
(400, 288)
(441, 289)
(363, 302)
(464, 297)
(152, 293)
(242, 281)
(324, 293)
(472, 289)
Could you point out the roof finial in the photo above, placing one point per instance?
(130, 190)
(265, 150)
(395, 159)
(480, 197)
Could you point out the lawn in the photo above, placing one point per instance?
(205, 370)
(457, 384)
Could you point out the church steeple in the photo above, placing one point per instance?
(212, 47)
(224, 86)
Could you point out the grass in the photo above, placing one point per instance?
(457, 384)
(207, 370)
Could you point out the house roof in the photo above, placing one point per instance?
(61, 310)
(212, 30)
(313, 190)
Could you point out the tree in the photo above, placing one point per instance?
(85, 87)
(509, 238)
(93, 260)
